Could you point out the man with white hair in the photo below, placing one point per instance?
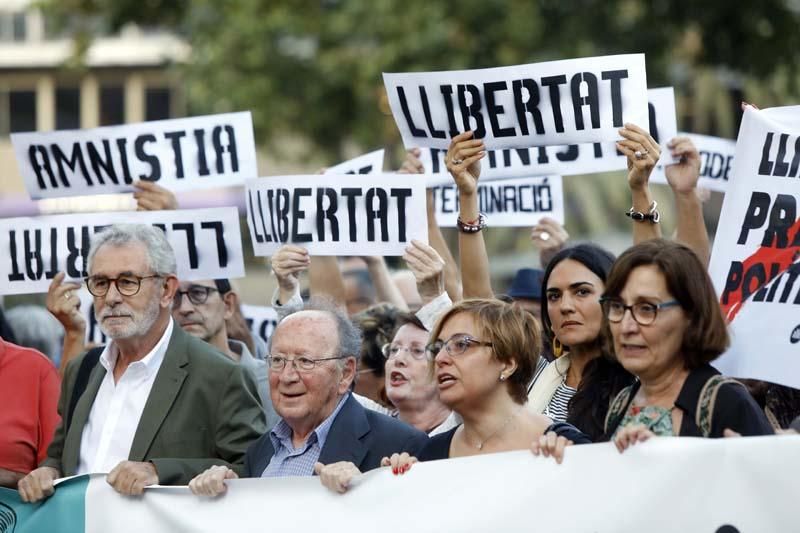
(156, 405)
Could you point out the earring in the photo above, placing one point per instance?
(502, 377)
(558, 348)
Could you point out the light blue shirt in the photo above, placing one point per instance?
(290, 461)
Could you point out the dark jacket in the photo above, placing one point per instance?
(358, 435)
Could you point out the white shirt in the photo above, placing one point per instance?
(108, 434)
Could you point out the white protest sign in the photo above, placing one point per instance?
(370, 163)
(755, 263)
(330, 214)
(207, 244)
(539, 104)
(716, 161)
(506, 203)
(571, 160)
(179, 154)
(261, 320)
(751, 487)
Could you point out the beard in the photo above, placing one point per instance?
(137, 324)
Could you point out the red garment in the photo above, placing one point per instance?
(29, 390)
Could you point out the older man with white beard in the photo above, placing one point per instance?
(155, 405)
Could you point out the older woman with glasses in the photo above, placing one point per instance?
(410, 384)
(667, 327)
(484, 355)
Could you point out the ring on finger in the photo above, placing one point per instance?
(639, 154)
(68, 295)
(544, 236)
(457, 161)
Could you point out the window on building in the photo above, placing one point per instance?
(18, 26)
(68, 109)
(112, 105)
(157, 103)
(22, 111)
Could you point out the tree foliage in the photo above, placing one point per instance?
(314, 67)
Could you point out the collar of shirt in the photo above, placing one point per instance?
(148, 364)
(281, 434)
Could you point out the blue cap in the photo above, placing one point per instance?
(527, 283)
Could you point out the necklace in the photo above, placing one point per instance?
(495, 432)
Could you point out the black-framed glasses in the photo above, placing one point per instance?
(126, 284)
(644, 313)
(393, 350)
(197, 294)
(303, 364)
(455, 345)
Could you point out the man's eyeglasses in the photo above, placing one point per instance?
(197, 294)
(455, 345)
(393, 350)
(304, 364)
(126, 284)
(644, 313)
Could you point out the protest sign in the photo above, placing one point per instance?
(370, 163)
(261, 320)
(755, 262)
(506, 203)
(179, 154)
(333, 214)
(540, 104)
(575, 159)
(716, 161)
(751, 487)
(207, 244)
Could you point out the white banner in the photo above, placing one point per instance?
(261, 320)
(330, 214)
(575, 159)
(540, 104)
(179, 154)
(207, 244)
(518, 202)
(371, 163)
(755, 263)
(716, 161)
(744, 485)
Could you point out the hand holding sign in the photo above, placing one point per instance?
(683, 176)
(549, 237)
(642, 152)
(463, 161)
(287, 263)
(428, 269)
(63, 303)
(411, 163)
(153, 197)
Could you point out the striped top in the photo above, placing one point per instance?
(557, 408)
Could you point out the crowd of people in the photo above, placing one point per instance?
(369, 370)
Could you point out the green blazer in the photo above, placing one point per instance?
(203, 410)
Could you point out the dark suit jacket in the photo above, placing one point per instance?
(358, 435)
(203, 410)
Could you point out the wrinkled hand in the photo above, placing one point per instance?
(463, 160)
(630, 435)
(337, 476)
(131, 477)
(428, 268)
(153, 197)
(683, 176)
(287, 263)
(551, 445)
(411, 163)
(212, 482)
(400, 462)
(37, 485)
(636, 139)
(64, 304)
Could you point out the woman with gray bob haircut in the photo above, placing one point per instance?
(160, 256)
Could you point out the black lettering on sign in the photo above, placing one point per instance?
(175, 137)
(73, 163)
(144, 157)
(230, 148)
(381, 213)
(266, 328)
(351, 193)
(191, 243)
(102, 165)
(529, 106)
(16, 274)
(282, 210)
(495, 109)
(554, 83)
(588, 81)
(762, 292)
(123, 159)
(615, 77)
(34, 265)
(219, 236)
(570, 154)
(327, 213)
(401, 195)
(447, 92)
(202, 162)
(53, 270)
(653, 123)
(41, 163)
(782, 215)
(727, 529)
(473, 109)
(401, 95)
(260, 237)
(75, 252)
(298, 215)
(426, 109)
